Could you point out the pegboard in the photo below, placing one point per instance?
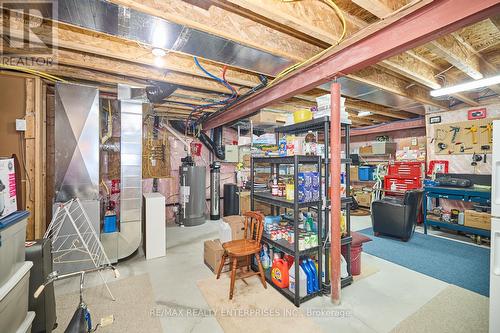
(463, 143)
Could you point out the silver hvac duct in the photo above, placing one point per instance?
(126, 241)
(77, 154)
(109, 18)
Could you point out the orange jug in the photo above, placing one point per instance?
(279, 273)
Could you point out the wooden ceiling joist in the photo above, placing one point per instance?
(458, 54)
(380, 8)
(91, 42)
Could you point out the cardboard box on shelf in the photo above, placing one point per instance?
(366, 150)
(384, 147)
(259, 206)
(268, 117)
(8, 200)
(364, 199)
(478, 220)
(353, 174)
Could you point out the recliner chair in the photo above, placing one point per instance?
(397, 216)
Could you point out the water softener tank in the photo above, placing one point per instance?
(215, 191)
(192, 194)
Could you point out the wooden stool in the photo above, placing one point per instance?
(246, 247)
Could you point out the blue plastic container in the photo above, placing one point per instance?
(109, 224)
(365, 172)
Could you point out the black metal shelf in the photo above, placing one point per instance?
(267, 197)
(301, 159)
(310, 125)
(286, 247)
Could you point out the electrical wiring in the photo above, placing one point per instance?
(44, 75)
(292, 68)
(197, 109)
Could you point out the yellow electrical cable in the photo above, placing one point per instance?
(301, 64)
(47, 76)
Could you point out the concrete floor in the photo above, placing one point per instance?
(376, 303)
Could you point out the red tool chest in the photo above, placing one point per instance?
(403, 176)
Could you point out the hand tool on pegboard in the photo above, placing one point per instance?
(455, 130)
(442, 146)
(472, 130)
(463, 148)
(485, 147)
(476, 158)
(488, 128)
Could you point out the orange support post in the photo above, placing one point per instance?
(335, 191)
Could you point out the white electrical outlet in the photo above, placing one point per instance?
(21, 125)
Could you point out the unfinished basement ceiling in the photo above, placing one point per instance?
(123, 22)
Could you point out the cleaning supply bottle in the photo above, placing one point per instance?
(264, 257)
(314, 271)
(279, 273)
(307, 270)
(302, 280)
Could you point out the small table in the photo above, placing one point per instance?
(470, 194)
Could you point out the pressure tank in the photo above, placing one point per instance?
(192, 194)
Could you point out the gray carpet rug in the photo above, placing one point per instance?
(454, 310)
(131, 310)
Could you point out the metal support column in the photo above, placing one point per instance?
(335, 191)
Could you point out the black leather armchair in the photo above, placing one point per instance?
(397, 216)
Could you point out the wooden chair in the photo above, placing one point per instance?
(244, 249)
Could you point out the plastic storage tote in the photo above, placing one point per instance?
(26, 324)
(365, 173)
(12, 235)
(14, 299)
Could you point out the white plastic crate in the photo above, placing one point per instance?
(14, 299)
(12, 235)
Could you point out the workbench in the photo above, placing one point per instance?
(471, 194)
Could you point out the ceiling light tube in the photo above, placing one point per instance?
(466, 86)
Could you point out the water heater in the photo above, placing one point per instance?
(192, 193)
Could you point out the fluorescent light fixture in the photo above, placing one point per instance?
(466, 86)
(158, 52)
(364, 113)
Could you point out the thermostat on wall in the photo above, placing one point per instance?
(21, 125)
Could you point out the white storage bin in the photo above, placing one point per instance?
(12, 236)
(26, 325)
(14, 299)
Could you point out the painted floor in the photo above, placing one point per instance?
(377, 303)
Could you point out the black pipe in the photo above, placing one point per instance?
(215, 147)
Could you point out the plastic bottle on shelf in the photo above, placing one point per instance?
(310, 145)
(314, 275)
(302, 280)
(307, 270)
(461, 218)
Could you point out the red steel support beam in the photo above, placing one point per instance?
(417, 25)
(335, 192)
